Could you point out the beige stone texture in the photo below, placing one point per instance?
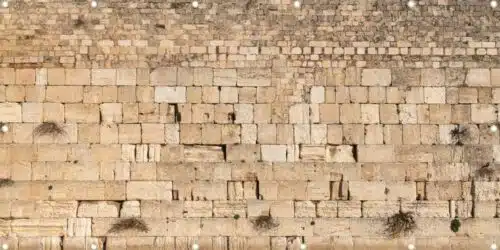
(329, 118)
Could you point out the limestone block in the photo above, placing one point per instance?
(332, 226)
(367, 191)
(302, 133)
(449, 172)
(235, 190)
(153, 133)
(64, 94)
(32, 112)
(81, 113)
(444, 190)
(273, 153)
(318, 134)
(318, 94)
(376, 153)
(483, 113)
(229, 95)
(172, 133)
(408, 113)
(327, 209)
(98, 209)
(318, 190)
(7, 76)
(72, 77)
(10, 112)
(164, 76)
(197, 209)
(433, 77)
(350, 113)
(203, 153)
(44, 209)
(379, 209)
(435, 95)
(329, 113)
(105, 152)
(253, 77)
(126, 76)
(129, 133)
(305, 209)
(50, 243)
(478, 78)
(376, 77)
(130, 209)
(486, 191)
(229, 208)
(210, 190)
(401, 190)
(170, 94)
(428, 208)
(243, 113)
(111, 112)
(79, 227)
(203, 76)
(370, 113)
(485, 209)
(243, 153)
(406, 77)
(162, 209)
(39, 227)
(225, 77)
(340, 153)
(25, 76)
(149, 190)
(104, 77)
(312, 153)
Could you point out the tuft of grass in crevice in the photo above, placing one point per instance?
(129, 224)
(51, 129)
(6, 182)
(264, 223)
(459, 134)
(400, 224)
(79, 22)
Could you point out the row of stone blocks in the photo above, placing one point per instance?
(248, 243)
(244, 190)
(242, 227)
(255, 77)
(250, 208)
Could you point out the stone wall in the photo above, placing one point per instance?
(329, 119)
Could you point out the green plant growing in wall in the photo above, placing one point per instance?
(6, 182)
(129, 224)
(51, 129)
(399, 224)
(236, 216)
(455, 225)
(264, 223)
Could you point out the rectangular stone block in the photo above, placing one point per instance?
(376, 153)
(39, 227)
(98, 209)
(75, 77)
(170, 94)
(253, 77)
(149, 190)
(376, 77)
(10, 112)
(203, 154)
(44, 209)
(367, 191)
